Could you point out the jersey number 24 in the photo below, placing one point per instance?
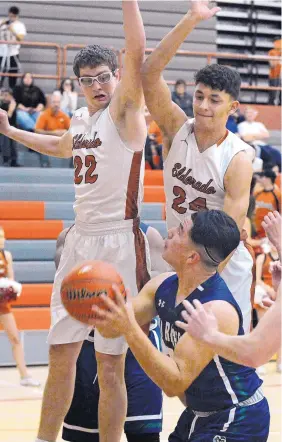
(196, 205)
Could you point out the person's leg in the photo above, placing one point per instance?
(14, 69)
(112, 392)
(25, 121)
(58, 389)
(9, 324)
(272, 94)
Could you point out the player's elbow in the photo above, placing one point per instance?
(149, 73)
(174, 389)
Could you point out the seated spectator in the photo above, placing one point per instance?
(268, 199)
(7, 319)
(7, 145)
(234, 120)
(30, 102)
(69, 97)
(264, 288)
(255, 133)
(275, 72)
(181, 97)
(156, 144)
(53, 121)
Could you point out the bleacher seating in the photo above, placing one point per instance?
(35, 205)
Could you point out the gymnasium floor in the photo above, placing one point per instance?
(20, 406)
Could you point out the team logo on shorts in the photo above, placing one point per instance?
(219, 439)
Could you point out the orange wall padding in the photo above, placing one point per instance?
(153, 178)
(32, 229)
(154, 194)
(34, 295)
(22, 210)
(30, 318)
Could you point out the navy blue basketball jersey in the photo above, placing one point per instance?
(222, 384)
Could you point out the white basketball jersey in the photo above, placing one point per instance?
(108, 174)
(194, 181)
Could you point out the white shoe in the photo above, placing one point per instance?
(279, 368)
(29, 382)
(261, 370)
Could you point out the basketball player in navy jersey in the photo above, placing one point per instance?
(106, 139)
(202, 158)
(144, 413)
(225, 400)
(247, 350)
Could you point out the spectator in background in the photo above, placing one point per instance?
(264, 288)
(69, 97)
(7, 145)
(53, 121)
(268, 199)
(275, 72)
(7, 319)
(255, 133)
(181, 97)
(156, 144)
(234, 120)
(30, 102)
(11, 28)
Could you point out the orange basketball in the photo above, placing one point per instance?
(82, 287)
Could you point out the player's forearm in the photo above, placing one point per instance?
(135, 39)
(45, 144)
(158, 366)
(167, 48)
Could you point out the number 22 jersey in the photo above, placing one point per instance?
(108, 174)
(194, 181)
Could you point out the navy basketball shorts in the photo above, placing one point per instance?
(236, 424)
(144, 414)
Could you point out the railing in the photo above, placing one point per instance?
(62, 54)
(56, 77)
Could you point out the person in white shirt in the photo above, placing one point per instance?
(69, 96)
(11, 28)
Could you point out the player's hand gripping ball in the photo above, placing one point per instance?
(83, 286)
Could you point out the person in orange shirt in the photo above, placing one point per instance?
(268, 199)
(53, 121)
(275, 72)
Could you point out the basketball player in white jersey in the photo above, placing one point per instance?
(205, 166)
(106, 139)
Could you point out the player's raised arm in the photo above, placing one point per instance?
(167, 114)
(128, 97)
(45, 144)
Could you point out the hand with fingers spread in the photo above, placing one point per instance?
(200, 322)
(272, 227)
(117, 317)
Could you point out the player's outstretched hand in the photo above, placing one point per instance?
(199, 322)
(272, 227)
(201, 11)
(117, 317)
(4, 122)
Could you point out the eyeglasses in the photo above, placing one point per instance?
(103, 78)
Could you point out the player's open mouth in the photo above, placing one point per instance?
(100, 97)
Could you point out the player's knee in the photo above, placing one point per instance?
(110, 369)
(14, 340)
(63, 357)
(150, 437)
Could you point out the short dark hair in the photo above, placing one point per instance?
(220, 78)
(217, 232)
(93, 56)
(179, 82)
(268, 173)
(14, 10)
